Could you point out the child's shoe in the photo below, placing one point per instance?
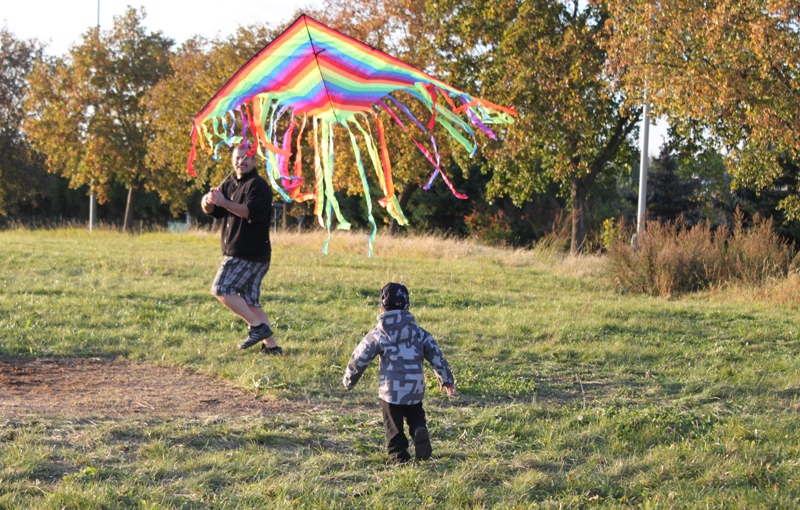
(399, 458)
(422, 444)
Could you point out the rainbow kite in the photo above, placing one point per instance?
(321, 77)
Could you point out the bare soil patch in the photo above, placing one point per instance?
(100, 387)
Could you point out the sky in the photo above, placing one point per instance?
(60, 23)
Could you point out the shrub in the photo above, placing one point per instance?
(671, 258)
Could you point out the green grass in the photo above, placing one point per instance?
(571, 395)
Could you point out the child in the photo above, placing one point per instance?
(402, 346)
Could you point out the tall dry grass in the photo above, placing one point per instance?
(411, 245)
(671, 258)
(783, 292)
(551, 252)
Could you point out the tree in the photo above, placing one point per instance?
(171, 105)
(766, 203)
(198, 70)
(723, 71)
(90, 118)
(544, 57)
(668, 196)
(18, 163)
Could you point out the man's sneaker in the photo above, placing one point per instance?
(255, 334)
(277, 351)
(422, 444)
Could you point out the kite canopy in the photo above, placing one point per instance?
(317, 74)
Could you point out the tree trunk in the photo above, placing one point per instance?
(579, 189)
(403, 199)
(133, 193)
(581, 185)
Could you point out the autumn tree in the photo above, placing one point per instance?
(723, 71)
(90, 118)
(199, 68)
(18, 165)
(546, 58)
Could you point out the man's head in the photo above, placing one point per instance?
(242, 163)
(394, 296)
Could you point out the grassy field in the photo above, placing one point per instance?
(571, 395)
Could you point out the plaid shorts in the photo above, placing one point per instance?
(242, 277)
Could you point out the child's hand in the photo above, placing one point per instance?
(450, 389)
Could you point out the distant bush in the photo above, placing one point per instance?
(671, 258)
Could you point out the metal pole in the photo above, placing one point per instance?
(644, 163)
(92, 211)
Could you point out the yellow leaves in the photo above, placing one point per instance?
(88, 118)
(790, 207)
(714, 63)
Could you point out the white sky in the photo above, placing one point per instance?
(60, 23)
(658, 135)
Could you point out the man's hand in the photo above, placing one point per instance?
(449, 388)
(216, 197)
(206, 204)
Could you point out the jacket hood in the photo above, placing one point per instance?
(393, 324)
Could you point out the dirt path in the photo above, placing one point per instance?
(97, 387)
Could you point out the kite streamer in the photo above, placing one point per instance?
(325, 77)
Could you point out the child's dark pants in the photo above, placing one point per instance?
(396, 440)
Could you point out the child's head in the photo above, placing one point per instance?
(394, 296)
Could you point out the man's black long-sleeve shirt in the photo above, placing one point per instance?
(247, 239)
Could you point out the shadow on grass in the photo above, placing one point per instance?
(136, 442)
(431, 298)
(789, 393)
(213, 441)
